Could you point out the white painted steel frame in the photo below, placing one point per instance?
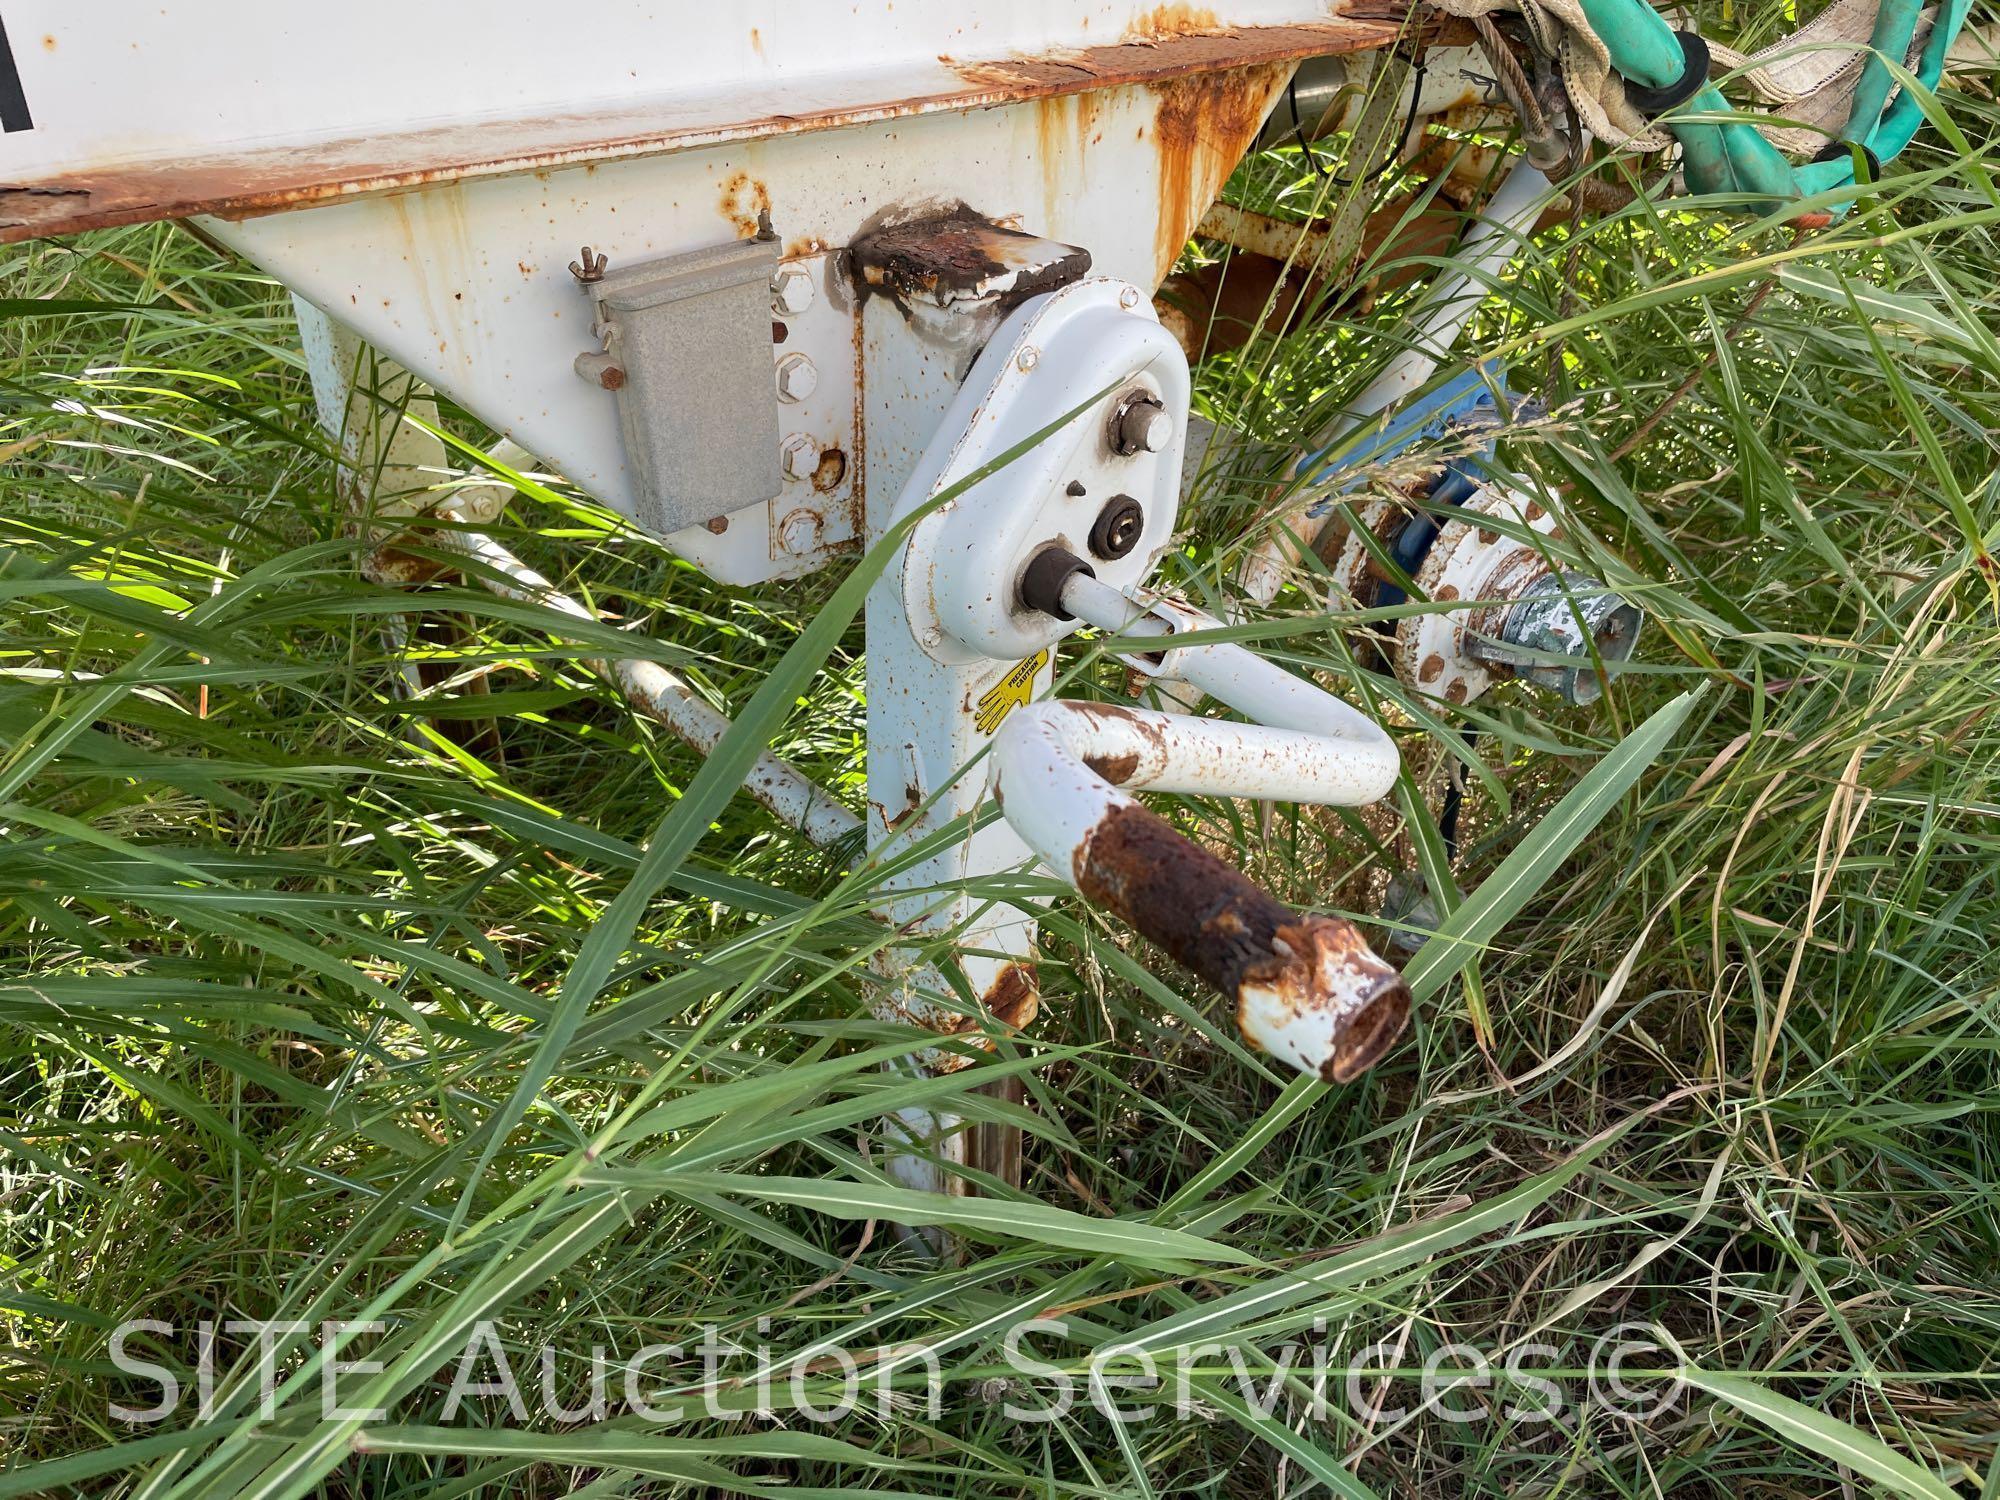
(1100, 123)
(131, 110)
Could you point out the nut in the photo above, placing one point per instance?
(796, 377)
(601, 370)
(799, 532)
(791, 290)
(801, 456)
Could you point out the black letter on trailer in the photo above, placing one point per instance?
(13, 102)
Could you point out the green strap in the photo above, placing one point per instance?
(1730, 156)
(1895, 27)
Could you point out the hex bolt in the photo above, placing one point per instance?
(1117, 529)
(791, 290)
(601, 370)
(796, 377)
(799, 532)
(1141, 425)
(801, 456)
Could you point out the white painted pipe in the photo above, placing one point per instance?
(659, 694)
(1351, 761)
(1307, 988)
(1432, 329)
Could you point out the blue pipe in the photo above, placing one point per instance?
(1462, 408)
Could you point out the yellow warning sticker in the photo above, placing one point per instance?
(1008, 694)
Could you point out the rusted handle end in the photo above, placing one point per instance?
(1328, 1005)
(1308, 989)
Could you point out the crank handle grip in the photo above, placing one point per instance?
(1307, 989)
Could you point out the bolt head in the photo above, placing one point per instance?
(1129, 298)
(799, 532)
(800, 456)
(1028, 358)
(601, 370)
(797, 378)
(791, 290)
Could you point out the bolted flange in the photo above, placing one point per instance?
(1517, 612)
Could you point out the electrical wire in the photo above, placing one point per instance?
(1395, 152)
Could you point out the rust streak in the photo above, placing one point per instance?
(1173, 20)
(1147, 729)
(1206, 121)
(270, 178)
(1015, 996)
(1144, 59)
(744, 198)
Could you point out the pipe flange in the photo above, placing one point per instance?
(1473, 563)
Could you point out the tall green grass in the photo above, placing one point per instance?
(1713, 1048)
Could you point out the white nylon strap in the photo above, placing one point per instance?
(1561, 30)
(1809, 76)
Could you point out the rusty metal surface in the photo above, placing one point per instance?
(1015, 997)
(1282, 968)
(1515, 612)
(1283, 273)
(1197, 121)
(1328, 1002)
(960, 256)
(1209, 917)
(994, 1147)
(1306, 989)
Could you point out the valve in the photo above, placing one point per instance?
(1482, 541)
(1523, 618)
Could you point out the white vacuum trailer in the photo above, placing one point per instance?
(853, 273)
